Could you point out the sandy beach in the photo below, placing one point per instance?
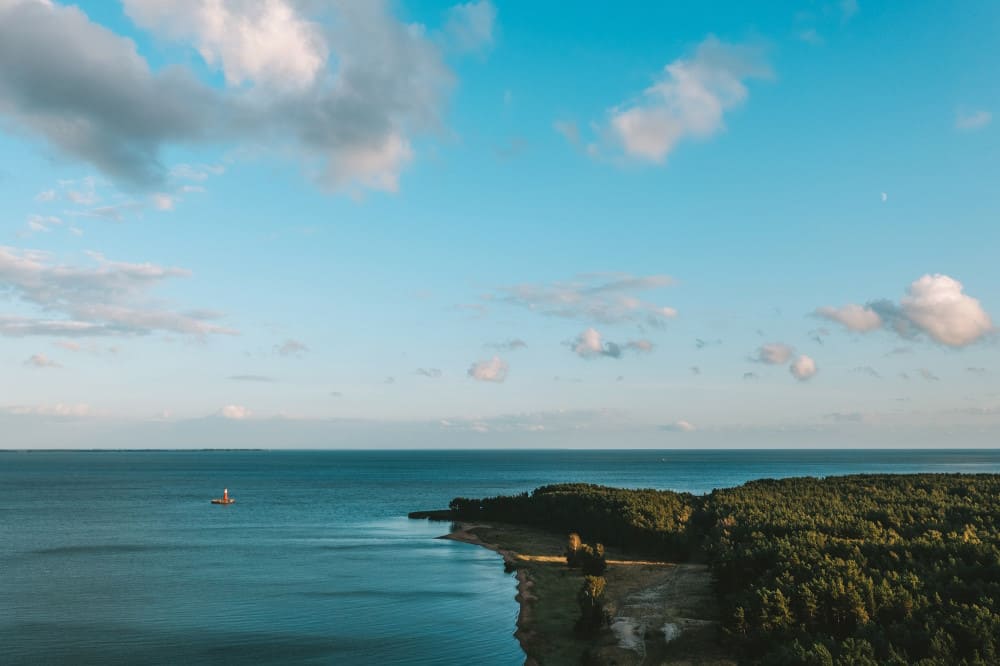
(662, 612)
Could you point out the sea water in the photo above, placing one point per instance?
(119, 558)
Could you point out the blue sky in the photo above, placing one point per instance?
(489, 224)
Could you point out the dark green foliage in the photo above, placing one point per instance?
(635, 520)
(591, 559)
(591, 600)
(867, 569)
(860, 569)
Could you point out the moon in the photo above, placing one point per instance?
(885, 197)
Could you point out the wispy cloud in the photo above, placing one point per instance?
(106, 298)
(431, 373)
(688, 101)
(513, 344)
(252, 378)
(41, 361)
(774, 353)
(602, 297)
(591, 344)
(471, 25)
(970, 121)
(290, 347)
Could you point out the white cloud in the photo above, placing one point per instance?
(972, 120)
(603, 298)
(854, 317)
(432, 373)
(41, 361)
(43, 223)
(341, 88)
(937, 305)
(591, 344)
(688, 101)
(774, 353)
(848, 8)
(470, 25)
(266, 43)
(934, 305)
(680, 426)
(803, 368)
(46, 195)
(493, 370)
(108, 298)
(164, 202)
(235, 412)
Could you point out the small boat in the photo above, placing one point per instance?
(225, 499)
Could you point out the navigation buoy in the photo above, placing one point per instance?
(225, 499)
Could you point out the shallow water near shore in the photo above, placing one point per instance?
(118, 557)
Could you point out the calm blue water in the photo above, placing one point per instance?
(117, 557)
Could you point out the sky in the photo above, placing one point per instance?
(354, 224)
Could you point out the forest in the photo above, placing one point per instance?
(864, 569)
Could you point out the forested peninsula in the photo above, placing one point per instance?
(865, 569)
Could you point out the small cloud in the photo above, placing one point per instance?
(290, 348)
(810, 36)
(58, 410)
(774, 353)
(884, 196)
(701, 344)
(848, 8)
(750, 376)
(641, 346)
(336, 394)
(899, 351)
(509, 345)
(251, 378)
(976, 371)
(470, 26)
(928, 375)
(46, 195)
(852, 316)
(433, 373)
(970, 121)
(163, 202)
(590, 344)
(569, 131)
(679, 426)
(845, 417)
(493, 370)
(235, 412)
(41, 361)
(867, 370)
(389, 380)
(803, 368)
(695, 370)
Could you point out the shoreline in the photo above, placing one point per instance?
(524, 597)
